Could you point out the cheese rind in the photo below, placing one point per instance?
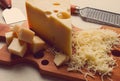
(51, 21)
(17, 47)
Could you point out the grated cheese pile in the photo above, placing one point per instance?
(92, 50)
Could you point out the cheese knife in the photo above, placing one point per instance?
(11, 14)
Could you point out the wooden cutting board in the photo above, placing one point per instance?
(44, 61)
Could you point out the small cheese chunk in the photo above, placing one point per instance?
(17, 47)
(37, 45)
(26, 35)
(60, 59)
(15, 28)
(9, 36)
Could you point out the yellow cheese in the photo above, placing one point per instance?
(60, 59)
(9, 36)
(26, 35)
(51, 20)
(92, 51)
(15, 28)
(37, 45)
(18, 48)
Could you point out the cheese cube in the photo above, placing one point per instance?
(37, 45)
(60, 59)
(15, 28)
(51, 20)
(17, 47)
(9, 37)
(26, 35)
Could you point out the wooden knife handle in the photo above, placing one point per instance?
(74, 10)
(5, 4)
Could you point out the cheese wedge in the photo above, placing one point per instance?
(37, 45)
(17, 47)
(51, 20)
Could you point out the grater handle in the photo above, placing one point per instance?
(75, 9)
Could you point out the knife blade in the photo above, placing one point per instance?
(11, 14)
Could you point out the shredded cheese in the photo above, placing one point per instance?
(92, 50)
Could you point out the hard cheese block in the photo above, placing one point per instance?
(9, 36)
(51, 20)
(60, 59)
(37, 45)
(17, 47)
(26, 35)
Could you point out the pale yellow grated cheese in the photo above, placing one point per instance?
(92, 50)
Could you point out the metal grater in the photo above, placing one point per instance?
(97, 16)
